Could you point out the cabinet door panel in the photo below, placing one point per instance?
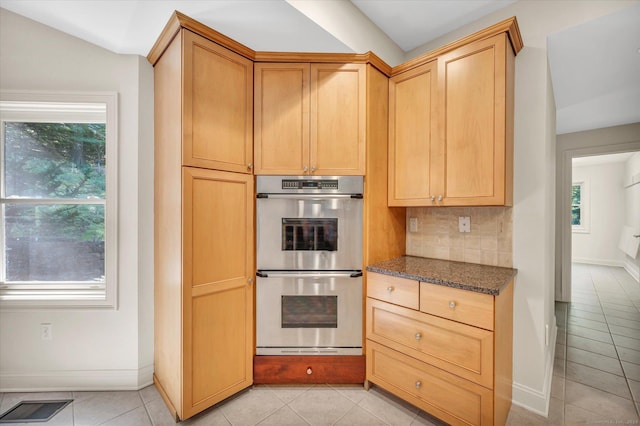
(338, 119)
(454, 400)
(281, 118)
(218, 263)
(473, 86)
(413, 136)
(217, 106)
(458, 348)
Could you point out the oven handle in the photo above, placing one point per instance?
(308, 196)
(331, 274)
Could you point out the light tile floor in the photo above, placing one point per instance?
(596, 379)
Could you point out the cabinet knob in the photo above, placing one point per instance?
(418, 384)
(452, 304)
(309, 370)
(418, 336)
(313, 169)
(249, 166)
(390, 289)
(440, 197)
(432, 198)
(305, 169)
(250, 281)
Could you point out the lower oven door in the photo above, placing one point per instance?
(309, 313)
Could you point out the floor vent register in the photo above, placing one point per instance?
(34, 411)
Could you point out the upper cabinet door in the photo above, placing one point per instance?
(477, 150)
(338, 119)
(217, 106)
(281, 113)
(413, 138)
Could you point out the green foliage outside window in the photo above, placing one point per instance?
(576, 204)
(54, 194)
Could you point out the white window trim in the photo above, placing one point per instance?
(584, 227)
(76, 107)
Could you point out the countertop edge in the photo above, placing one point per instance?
(446, 283)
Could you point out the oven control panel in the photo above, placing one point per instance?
(309, 184)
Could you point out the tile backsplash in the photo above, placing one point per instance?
(489, 242)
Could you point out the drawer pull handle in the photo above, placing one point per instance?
(390, 289)
(418, 336)
(452, 304)
(418, 384)
(309, 370)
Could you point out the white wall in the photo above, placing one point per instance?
(632, 209)
(534, 183)
(604, 191)
(91, 348)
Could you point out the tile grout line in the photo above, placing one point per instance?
(595, 289)
(633, 397)
(615, 346)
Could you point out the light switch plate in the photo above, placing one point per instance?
(413, 224)
(464, 224)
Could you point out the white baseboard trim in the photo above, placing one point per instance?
(633, 270)
(603, 262)
(532, 399)
(79, 380)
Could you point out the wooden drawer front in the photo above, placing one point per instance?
(452, 399)
(458, 348)
(459, 305)
(399, 291)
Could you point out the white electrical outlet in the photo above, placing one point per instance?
(46, 331)
(464, 224)
(413, 224)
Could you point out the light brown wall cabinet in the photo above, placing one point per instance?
(414, 145)
(445, 350)
(217, 131)
(451, 127)
(310, 119)
(204, 221)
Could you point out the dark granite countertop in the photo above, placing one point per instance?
(467, 276)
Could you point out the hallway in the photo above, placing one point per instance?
(597, 366)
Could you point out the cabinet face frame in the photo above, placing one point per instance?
(226, 97)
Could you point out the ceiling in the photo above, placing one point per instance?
(595, 67)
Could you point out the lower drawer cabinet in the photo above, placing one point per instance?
(451, 398)
(458, 348)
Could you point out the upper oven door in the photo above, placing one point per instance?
(309, 232)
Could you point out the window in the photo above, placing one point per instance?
(579, 213)
(57, 199)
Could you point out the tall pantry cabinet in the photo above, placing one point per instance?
(204, 218)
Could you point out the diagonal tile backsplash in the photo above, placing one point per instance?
(489, 242)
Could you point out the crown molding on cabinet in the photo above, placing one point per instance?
(509, 26)
(179, 20)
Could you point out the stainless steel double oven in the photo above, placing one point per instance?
(309, 259)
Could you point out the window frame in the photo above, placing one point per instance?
(20, 106)
(583, 227)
